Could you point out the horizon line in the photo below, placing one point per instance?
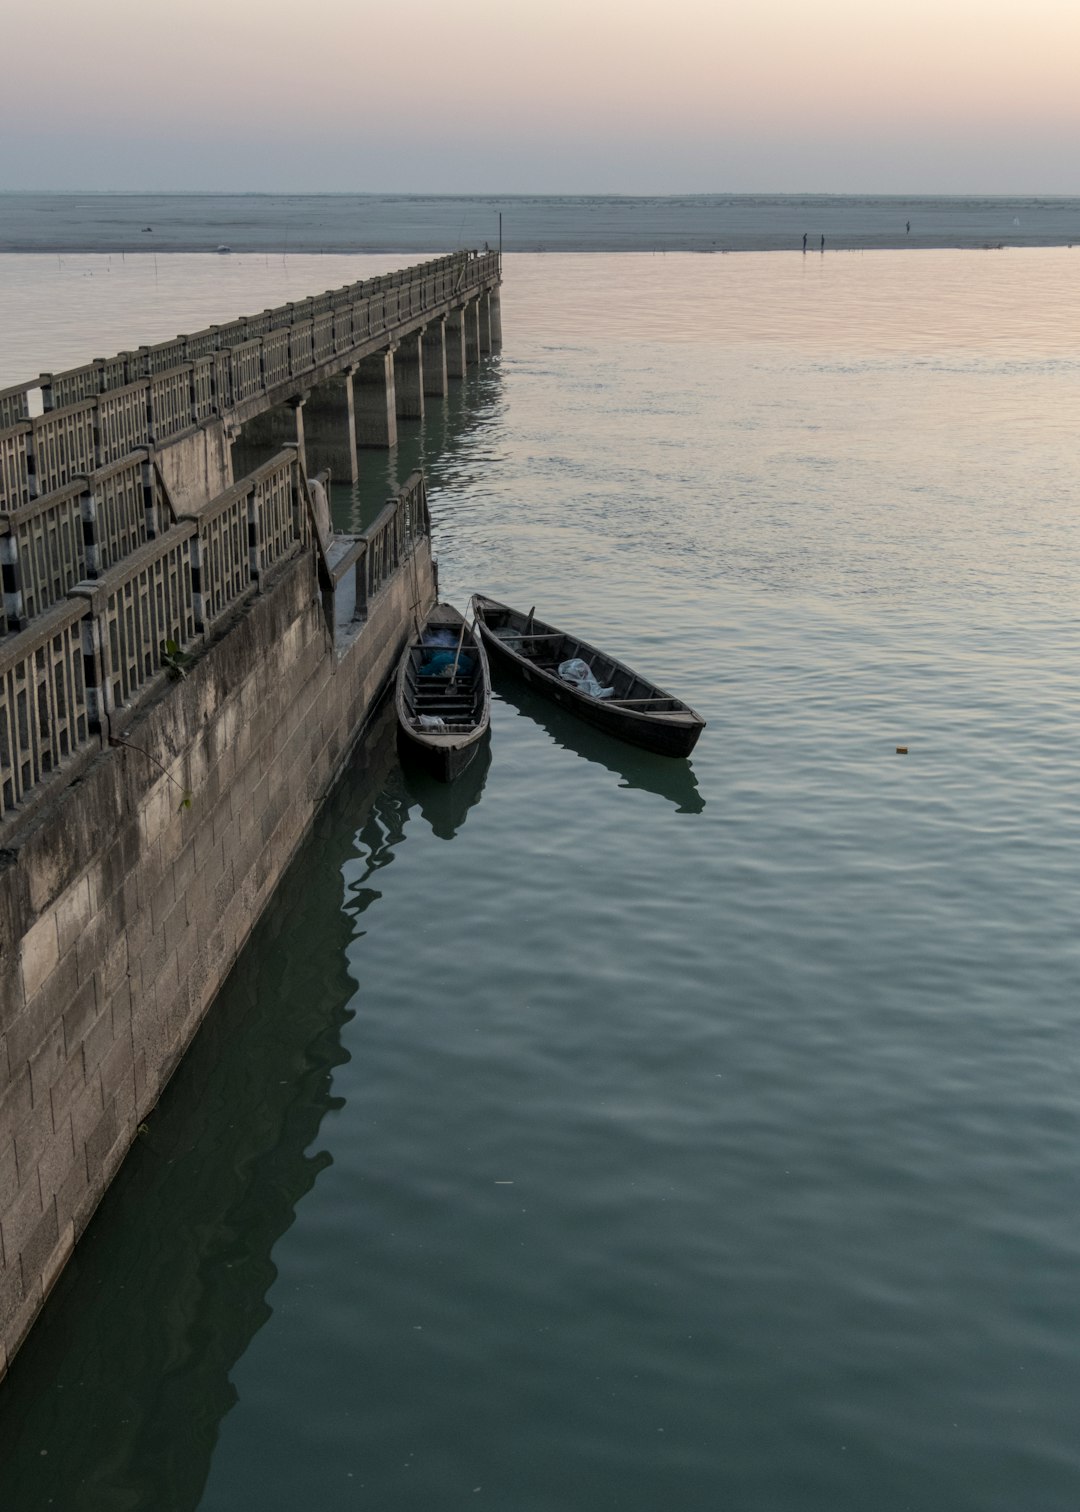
(579, 194)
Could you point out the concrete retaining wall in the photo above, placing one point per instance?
(123, 908)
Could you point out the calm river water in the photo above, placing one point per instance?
(621, 1134)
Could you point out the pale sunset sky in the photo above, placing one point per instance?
(543, 96)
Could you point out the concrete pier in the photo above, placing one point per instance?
(376, 402)
(456, 364)
(494, 300)
(435, 384)
(471, 316)
(490, 322)
(330, 428)
(186, 658)
(264, 435)
(409, 377)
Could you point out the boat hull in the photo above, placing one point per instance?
(675, 732)
(444, 761)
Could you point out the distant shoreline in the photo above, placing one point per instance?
(407, 225)
(548, 248)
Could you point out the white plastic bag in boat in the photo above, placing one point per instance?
(577, 674)
(431, 722)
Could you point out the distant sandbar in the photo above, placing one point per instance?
(392, 224)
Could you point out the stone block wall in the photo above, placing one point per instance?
(123, 906)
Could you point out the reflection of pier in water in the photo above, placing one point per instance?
(126, 1380)
(438, 445)
(668, 778)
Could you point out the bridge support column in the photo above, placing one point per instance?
(494, 301)
(409, 377)
(455, 344)
(490, 322)
(263, 436)
(330, 428)
(472, 332)
(435, 359)
(376, 409)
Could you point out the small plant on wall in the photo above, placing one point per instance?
(174, 660)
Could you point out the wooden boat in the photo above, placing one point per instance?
(637, 710)
(443, 694)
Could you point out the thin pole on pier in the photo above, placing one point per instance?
(500, 241)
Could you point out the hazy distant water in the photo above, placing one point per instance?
(653, 1135)
(530, 223)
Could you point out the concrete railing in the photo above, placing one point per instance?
(77, 531)
(105, 644)
(105, 408)
(95, 414)
(376, 555)
(44, 715)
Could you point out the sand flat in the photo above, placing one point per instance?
(530, 223)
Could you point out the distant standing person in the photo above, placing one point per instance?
(909, 228)
(804, 241)
(823, 241)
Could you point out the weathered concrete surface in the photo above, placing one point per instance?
(197, 467)
(494, 320)
(330, 428)
(434, 337)
(471, 316)
(122, 910)
(456, 365)
(409, 377)
(262, 436)
(376, 404)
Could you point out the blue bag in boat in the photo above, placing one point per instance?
(441, 663)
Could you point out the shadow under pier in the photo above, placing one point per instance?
(116, 1399)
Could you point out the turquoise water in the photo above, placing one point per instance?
(626, 1134)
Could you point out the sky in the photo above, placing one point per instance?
(543, 96)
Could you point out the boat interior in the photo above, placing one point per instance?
(545, 648)
(442, 684)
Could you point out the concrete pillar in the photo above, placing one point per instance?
(455, 344)
(409, 377)
(264, 435)
(472, 332)
(435, 359)
(495, 318)
(376, 408)
(485, 321)
(330, 428)
(297, 405)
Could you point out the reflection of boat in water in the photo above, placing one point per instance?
(673, 780)
(445, 805)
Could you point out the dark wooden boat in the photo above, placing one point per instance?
(637, 711)
(443, 694)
